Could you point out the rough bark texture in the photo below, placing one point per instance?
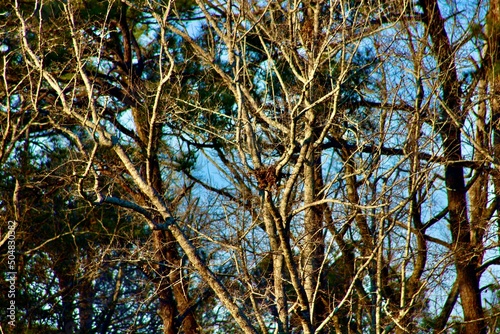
(466, 261)
(171, 292)
(493, 64)
(314, 240)
(278, 271)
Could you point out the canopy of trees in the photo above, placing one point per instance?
(240, 166)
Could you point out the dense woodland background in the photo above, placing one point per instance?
(228, 166)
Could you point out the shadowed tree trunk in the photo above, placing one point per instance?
(466, 260)
(492, 59)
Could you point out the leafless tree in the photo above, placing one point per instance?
(303, 166)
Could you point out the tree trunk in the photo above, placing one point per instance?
(86, 306)
(174, 302)
(314, 248)
(278, 270)
(168, 309)
(466, 261)
(64, 272)
(493, 64)
(185, 310)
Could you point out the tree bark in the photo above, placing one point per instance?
(314, 248)
(278, 270)
(64, 272)
(493, 64)
(466, 262)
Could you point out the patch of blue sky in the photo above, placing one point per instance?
(212, 170)
(460, 15)
(13, 104)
